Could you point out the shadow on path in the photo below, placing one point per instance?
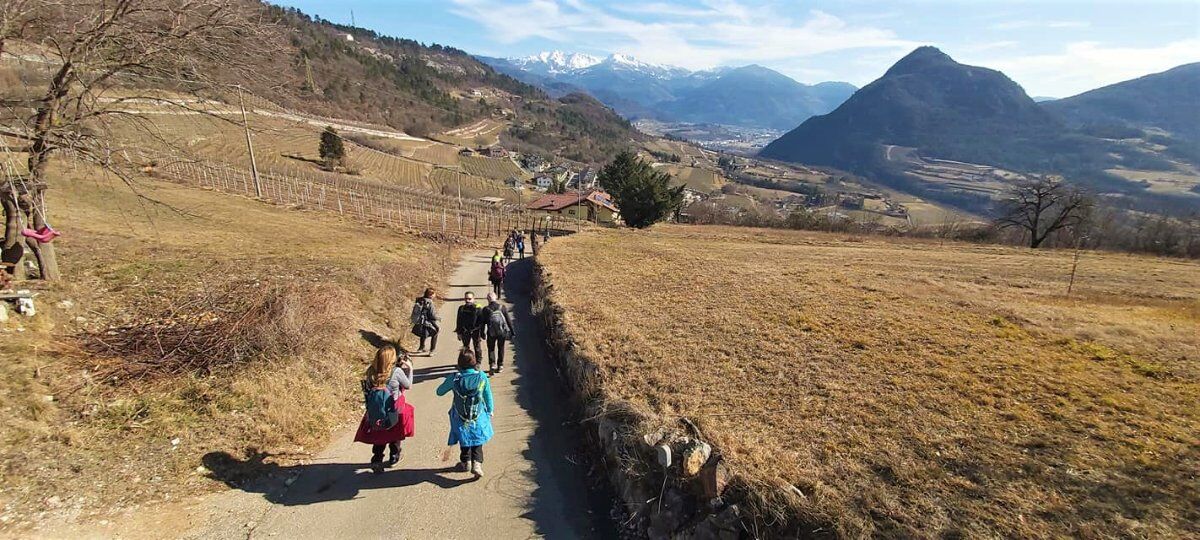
(319, 482)
(564, 504)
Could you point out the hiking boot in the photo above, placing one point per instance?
(491, 368)
(499, 369)
(463, 467)
(394, 458)
(377, 463)
(477, 468)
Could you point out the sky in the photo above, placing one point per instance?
(1053, 48)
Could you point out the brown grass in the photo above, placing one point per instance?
(907, 388)
(229, 325)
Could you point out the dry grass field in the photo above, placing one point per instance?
(904, 387)
(703, 180)
(205, 325)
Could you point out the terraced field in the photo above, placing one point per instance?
(484, 132)
(495, 168)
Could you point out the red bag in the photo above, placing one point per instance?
(408, 417)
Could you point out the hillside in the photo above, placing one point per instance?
(936, 109)
(1165, 101)
(884, 388)
(928, 101)
(420, 89)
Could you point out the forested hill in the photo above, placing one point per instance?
(348, 72)
(929, 101)
(1168, 101)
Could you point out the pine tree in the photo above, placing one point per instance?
(643, 195)
(332, 151)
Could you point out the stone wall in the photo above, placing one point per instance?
(671, 482)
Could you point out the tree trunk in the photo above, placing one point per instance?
(46, 260)
(13, 250)
(39, 158)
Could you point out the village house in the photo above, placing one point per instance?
(494, 152)
(559, 173)
(595, 206)
(543, 182)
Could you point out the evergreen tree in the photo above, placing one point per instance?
(331, 149)
(643, 195)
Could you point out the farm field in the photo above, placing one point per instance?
(703, 180)
(1186, 181)
(905, 388)
(484, 132)
(289, 147)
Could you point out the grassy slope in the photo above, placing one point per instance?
(913, 388)
(71, 432)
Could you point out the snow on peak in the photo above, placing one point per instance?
(557, 61)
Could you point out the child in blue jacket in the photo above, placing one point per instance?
(470, 412)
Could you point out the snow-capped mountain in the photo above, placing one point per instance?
(751, 96)
(555, 62)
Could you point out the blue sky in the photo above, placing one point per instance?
(1052, 48)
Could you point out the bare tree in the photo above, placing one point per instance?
(90, 48)
(1040, 205)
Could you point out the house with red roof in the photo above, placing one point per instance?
(594, 205)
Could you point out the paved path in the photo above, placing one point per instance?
(532, 486)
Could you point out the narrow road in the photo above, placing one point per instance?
(532, 486)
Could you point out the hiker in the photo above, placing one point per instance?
(470, 324)
(499, 328)
(508, 248)
(470, 412)
(425, 321)
(496, 276)
(496, 258)
(389, 418)
(546, 234)
(521, 245)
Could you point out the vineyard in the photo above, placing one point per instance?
(207, 148)
(496, 169)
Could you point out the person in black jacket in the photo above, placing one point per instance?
(470, 324)
(499, 330)
(425, 321)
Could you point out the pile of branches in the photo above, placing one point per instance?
(218, 331)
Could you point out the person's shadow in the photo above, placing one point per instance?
(316, 482)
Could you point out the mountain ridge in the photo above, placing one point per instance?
(638, 89)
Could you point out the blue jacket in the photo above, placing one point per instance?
(479, 431)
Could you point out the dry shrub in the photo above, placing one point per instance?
(221, 330)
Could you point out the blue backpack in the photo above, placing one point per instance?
(381, 409)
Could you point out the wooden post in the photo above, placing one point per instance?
(249, 145)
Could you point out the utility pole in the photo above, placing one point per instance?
(249, 146)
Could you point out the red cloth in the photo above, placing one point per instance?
(403, 429)
(43, 235)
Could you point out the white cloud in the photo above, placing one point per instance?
(719, 33)
(1087, 65)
